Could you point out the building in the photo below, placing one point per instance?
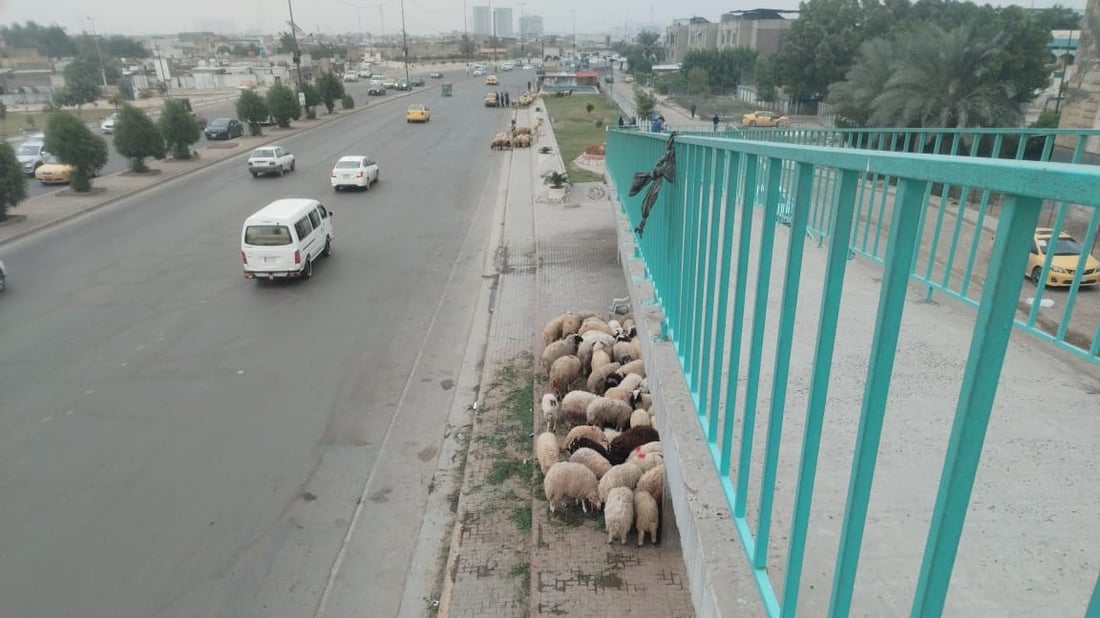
(759, 29)
(530, 26)
(483, 25)
(685, 35)
(502, 22)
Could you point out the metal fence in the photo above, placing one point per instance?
(705, 231)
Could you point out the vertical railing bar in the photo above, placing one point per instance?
(900, 253)
(1021, 147)
(727, 209)
(1079, 148)
(1093, 610)
(783, 344)
(979, 388)
(1048, 260)
(882, 200)
(828, 317)
(748, 207)
(693, 291)
(759, 319)
(708, 227)
(1075, 287)
(964, 198)
(979, 227)
(1048, 146)
(945, 199)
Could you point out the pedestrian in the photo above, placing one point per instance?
(620, 120)
(693, 110)
(507, 99)
(498, 98)
(715, 121)
(528, 85)
(657, 125)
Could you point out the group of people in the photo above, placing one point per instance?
(502, 98)
(657, 125)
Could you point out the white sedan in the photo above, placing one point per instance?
(270, 160)
(355, 171)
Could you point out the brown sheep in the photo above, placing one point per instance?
(522, 141)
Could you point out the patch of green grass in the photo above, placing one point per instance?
(522, 572)
(575, 128)
(521, 517)
(14, 122)
(573, 516)
(505, 468)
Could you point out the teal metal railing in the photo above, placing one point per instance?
(724, 213)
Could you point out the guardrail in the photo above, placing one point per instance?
(701, 236)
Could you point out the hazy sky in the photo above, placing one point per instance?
(334, 16)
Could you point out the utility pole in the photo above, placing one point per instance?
(404, 41)
(574, 33)
(522, 30)
(297, 53)
(465, 38)
(102, 67)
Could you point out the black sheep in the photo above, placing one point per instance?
(579, 443)
(628, 440)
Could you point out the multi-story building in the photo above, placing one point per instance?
(685, 35)
(760, 29)
(483, 24)
(502, 22)
(530, 26)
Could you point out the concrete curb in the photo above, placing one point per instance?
(45, 225)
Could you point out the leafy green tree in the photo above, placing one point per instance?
(1058, 17)
(724, 68)
(179, 129)
(118, 46)
(855, 97)
(649, 44)
(3, 110)
(286, 43)
(74, 143)
(764, 74)
(698, 81)
(347, 101)
(282, 103)
(820, 47)
(331, 88)
(49, 41)
(137, 137)
(81, 83)
(946, 79)
(313, 99)
(13, 182)
(252, 110)
(644, 104)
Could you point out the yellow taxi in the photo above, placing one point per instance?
(491, 80)
(1067, 255)
(765, 118)
(53, 172)
(418, 113)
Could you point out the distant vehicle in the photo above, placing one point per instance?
(478, 72)
(507, 66)
(54, 172)
(282, 239)
(417, 82)
(436, 75)
(108, 124)
(629, 79)
(354, 171)
(491, 80)
(491, 99)
(31, 156)
(389, 82)
(224, 128)
(418, 113)
(1067, 255)
(402, 85)
(270, 160)
(351, 76)
(764, 118)
(609, 79)
(376, 89)
(365, 73)
(3, 277)
(528, 67)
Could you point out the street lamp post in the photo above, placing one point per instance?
(297, 53)
(98, 52)
(522, 30)
(404, 42)
(574, 33)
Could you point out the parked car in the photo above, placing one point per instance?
(764, 118)
(108, 124)
(417, 82)
(1067, 254)
(436, 75)
(491, 99)
(376, 89)
(270, 160)
(53, 172)
(478, 72)
(224, 128)
(354, 171)
(418, 113)
(402, 85)
(389, 82)
(31, 155)
(351, 76)
(282, 239)
(3, 277)
(491, 80)
(365, 73)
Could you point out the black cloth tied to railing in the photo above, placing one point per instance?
(664, 169)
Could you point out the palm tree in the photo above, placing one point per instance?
(649, 43)
(946, 79)
(865, 80)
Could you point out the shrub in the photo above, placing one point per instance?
(13, 183)
(282, 104)
(137, 137)
(330, 88)
(556, 180)
(347, 101)
(145, 93)
(252, 110)
(74, 143)
(179, 129)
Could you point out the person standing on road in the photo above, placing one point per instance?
(715, 121)
(693, 111)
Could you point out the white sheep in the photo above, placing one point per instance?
(596, 380)
(646, 461)
(624, 352)
(631, 382)
(637, 418)
(646, 516)
(584, 350)
(586, 431)
(621, 394)
(644, 400)
(611, 434)
(570, 323)
(569, 480)
(550, 410)
(623, 475)
(546, 450)
(598, 464)
(618, 515)
(600, 357)
(609, 413)
(650, 447)
(552, 331)
(594, 323)
(574, 407)
(563, 372)
(635, 366)
(653, 482)
(558, 349)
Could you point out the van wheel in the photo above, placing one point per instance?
(292, 164)
(307, 272)
(282, 171)
(328, 247)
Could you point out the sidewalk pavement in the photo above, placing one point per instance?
(50, 209)
(554, 256)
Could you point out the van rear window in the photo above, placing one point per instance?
(267, 235)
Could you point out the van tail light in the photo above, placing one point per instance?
(297, 256)
(244, 258)
(359, 175)
(334, 174)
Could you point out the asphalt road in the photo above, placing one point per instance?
(178, 441)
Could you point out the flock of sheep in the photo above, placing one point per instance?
(610, 456)
(520, 137)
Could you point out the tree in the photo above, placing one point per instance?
(282, 103)
(13, 182)
(252, 110)
(946, 79)
(3, 110)
(137, 137)
(467, 47)
(330, 88)
(179, 129)
(286, 43)
(644, 103)
(765, 78)
(313, 99)
(855, 97)
(820, 46)
(649, 44)
(118, 46)
(1058, 17)
(49, 41)
(74, 143)
(81, 83)
(698, 81)
(724, 68)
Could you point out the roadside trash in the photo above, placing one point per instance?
(1045, 303)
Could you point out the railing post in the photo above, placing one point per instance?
(979, 388)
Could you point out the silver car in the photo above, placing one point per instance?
(31, 155)
(270, 160)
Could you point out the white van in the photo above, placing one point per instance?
(283, 239)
